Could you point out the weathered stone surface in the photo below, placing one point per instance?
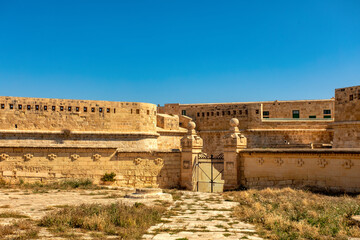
(202, 216)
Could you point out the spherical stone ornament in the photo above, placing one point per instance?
(234, 122)
(191, 125)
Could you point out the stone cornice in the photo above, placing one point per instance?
(347, 151)
(122, 134)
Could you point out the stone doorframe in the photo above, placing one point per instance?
(192, 146)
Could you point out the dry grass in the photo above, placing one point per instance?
(12, 214)
(296, 214)
(128, 222)
(24, 229)
(39, 187)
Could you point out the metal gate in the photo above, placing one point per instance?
(208, 173)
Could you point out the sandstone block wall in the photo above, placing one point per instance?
(277, 128)
(18, 113)
(347, 104)
(137, 169)
(347, 120)
(168, 122)
(327, 169)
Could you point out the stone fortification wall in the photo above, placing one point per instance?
(347, 104)
(325, 169)
(250, 115)
(265, 124)
(347, 119)
(314, 109)
(17, 113)
(138, 169)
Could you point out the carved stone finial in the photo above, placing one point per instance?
(234, 122)
(191, 128)
(234, 138)
(191, 125)
(191, 140)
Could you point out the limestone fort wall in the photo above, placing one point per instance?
(347, 119)
(136, 169)
(317, 169)
(18, 113)
(265, 124)
(289, 143)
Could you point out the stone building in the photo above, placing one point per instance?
(205, 147)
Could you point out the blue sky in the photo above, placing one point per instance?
(179, 51)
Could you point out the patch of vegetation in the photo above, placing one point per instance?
(297, 214)
(108, 177)
(175, 194)
(23, 229)
(128, 222)
(68, 184)
(11, 214)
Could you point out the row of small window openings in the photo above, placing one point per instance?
(351, 97)
(296, 114)
(138, 112)
(217, 113)
(37, 107)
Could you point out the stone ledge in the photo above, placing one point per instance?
(119, 150)
(294, 150)
(132, 134)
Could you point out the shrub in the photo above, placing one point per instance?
(297, 214)
(128, 222)
(108, 177)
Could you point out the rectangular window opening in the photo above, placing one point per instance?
(266, 113)
(77, 109)
(53, 108)
(28, 107)
(2, 106)
(108, 110)
(61, 108)
(327, 116)
(92, 109)
(19, 106)
(11, 106)
(351, 97)
(85, 109)
(198, 114)
(69, 109)
(296, 113)
(45, 108)
(137, 111)
(327, 111)
(37, 107)
(100, 109)
(312, 116)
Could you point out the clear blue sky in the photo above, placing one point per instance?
(179, 51)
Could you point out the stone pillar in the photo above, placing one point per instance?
(234, 142)
(191, 145)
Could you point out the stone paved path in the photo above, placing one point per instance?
(201, 216)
